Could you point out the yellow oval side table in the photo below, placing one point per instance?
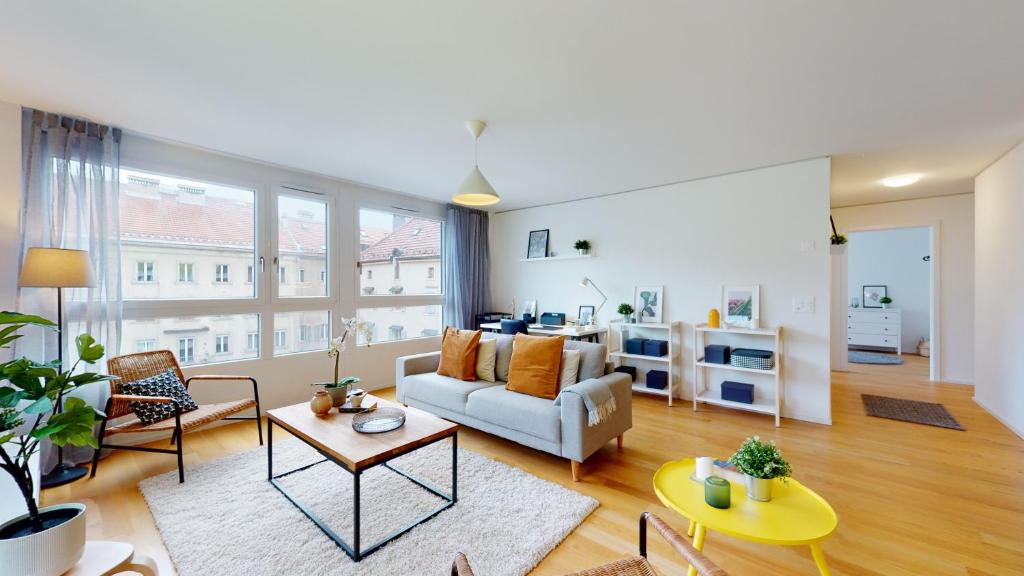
(796, 516)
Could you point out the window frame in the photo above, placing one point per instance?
(384, 298)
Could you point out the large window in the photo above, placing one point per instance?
(193, 226)
(301, 245)
(399, 285)
(195, 339)
(312, 328)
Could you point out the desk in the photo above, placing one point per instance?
(796, 515)
(589, 333)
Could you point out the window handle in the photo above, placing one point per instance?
(261, 264)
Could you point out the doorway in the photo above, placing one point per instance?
(892, 312)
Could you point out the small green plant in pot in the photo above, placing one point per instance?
(582, 246)
(627, 312)
(48, 540)
(885, 301)
(761, 463)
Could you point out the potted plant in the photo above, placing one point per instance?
(47, 541)
(838, 239)
(582, 246)
(885, 301)
(761, 463)
(627, 312)
(338, 388)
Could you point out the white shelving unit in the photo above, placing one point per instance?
(671, 362)
(548, 258)
(765, 404)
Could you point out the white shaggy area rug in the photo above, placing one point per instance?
(228, 519)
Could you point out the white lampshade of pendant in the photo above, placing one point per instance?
(476, 190)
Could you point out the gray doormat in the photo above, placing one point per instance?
(909, 411)
(858, 357)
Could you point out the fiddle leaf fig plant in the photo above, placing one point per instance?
(30, 393)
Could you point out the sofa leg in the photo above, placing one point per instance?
(621, 439)
(575, 470)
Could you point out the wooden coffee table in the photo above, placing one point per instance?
(333, 437)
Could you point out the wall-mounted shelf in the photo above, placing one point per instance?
(569, 257)
(672, 332)
(763, 403)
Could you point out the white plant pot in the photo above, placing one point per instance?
(759, 489)
(49, 553)
(583, 251)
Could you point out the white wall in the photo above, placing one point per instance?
(692, 237)
(954, 216)
(893, 258)
(998, 284)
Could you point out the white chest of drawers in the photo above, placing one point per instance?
(875, 327)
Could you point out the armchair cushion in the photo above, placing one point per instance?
(164, 384)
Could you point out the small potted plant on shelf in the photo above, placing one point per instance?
(338, 388)
(47, 541)
(885, 301)
(627, 312)
(582, 246)
(761, 463)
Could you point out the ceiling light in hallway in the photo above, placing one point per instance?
(900, 180)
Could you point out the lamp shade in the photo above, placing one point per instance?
(56, 268)
(476, 191)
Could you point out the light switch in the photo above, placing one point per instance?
(803, 304)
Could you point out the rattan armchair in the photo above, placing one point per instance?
(132, 367)
(637, 566)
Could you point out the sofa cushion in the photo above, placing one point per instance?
(458, 353)
(537, 417)
(569, 372)
(592, 358)
(485, 355)
(534, 367)
(443, 391)
(503, 355)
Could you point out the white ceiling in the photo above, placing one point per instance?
(583, 97)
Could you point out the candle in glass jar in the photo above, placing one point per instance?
(717, 492)
(705, 467)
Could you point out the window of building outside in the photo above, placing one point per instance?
(399, 292)
(323, 277)
(222, 346)
(186, 272)
(312, 326)
(145, 271)
(250, 273)
(302, 244)
(280, 339)
(221, 273)
(186, 351)
(282, 276)
(145, 345)
(252, 341)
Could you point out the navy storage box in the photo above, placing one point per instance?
(716, 354)
(635, 346)
(631, 370)
(655, 347)
(657, 379)
(738, 392)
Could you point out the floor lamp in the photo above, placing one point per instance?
(58, 268)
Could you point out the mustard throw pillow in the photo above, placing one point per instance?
(458, 353)
(534, 368)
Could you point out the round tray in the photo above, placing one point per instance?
(380, 420)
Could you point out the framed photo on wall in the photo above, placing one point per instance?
(648, 302)
(538, 245)
(586, 315)
(872, 296)
(741, 305)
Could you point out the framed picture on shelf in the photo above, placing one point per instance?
(741, 305)
(872, 296)
(648, 303)
(586, 315)
(530, 307)
(538, 245)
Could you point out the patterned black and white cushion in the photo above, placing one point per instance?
(165, 383)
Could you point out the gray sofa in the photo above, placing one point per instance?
(535, 422)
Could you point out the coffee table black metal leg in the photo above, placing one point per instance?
(357, 554)
(455, 467)
(270, 450)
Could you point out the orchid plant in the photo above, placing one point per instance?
(338, 345)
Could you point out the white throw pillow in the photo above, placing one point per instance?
(486, 352)
(570, 368)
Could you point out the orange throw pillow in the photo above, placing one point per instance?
(458, 353)
(535, 365)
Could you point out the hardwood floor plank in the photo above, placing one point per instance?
(911, 499)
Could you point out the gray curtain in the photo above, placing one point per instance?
(467, 271)
(69, 199)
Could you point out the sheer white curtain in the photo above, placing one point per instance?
(69, 199)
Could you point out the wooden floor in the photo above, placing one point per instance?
(911, 499)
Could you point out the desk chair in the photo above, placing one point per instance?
(513, 327)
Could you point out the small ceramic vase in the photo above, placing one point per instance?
(321, 403)
(714, 318)
(337, 394)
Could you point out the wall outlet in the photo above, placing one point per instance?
(803, 304)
